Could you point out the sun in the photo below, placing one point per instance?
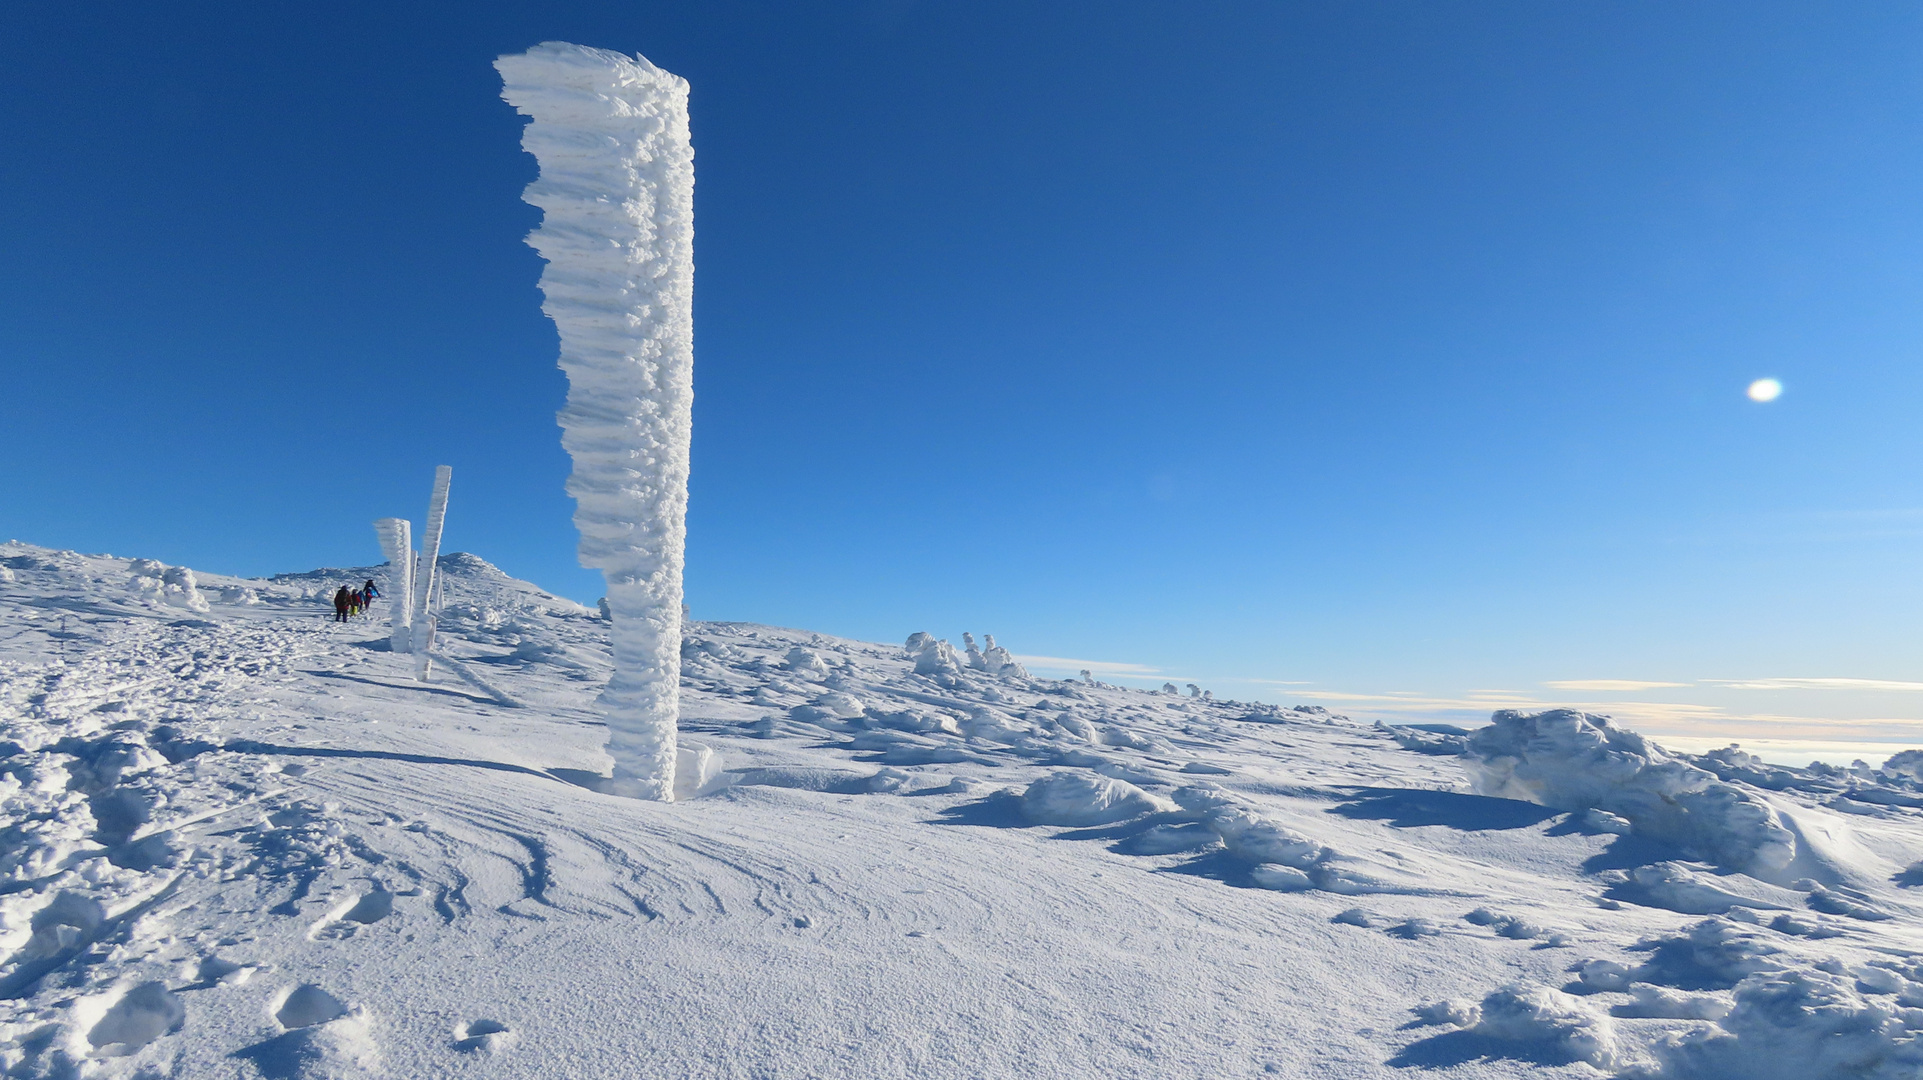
(1765, 390)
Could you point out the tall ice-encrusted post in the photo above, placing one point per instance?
(397, 543)
(420, 636)
(617, 187)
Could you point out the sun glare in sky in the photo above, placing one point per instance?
(1765, 390)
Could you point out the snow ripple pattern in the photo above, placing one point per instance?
(617, 188)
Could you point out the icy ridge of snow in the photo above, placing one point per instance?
(617, 194)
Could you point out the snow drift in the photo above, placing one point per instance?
(1574, 761)
(617, 188)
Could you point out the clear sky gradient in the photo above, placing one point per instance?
(1385, 355)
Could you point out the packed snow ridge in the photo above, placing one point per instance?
(240, 840)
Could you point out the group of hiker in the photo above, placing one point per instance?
(349, 602)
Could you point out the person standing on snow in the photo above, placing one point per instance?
(341, 599)
(369, 592)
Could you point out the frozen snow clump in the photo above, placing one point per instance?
(173, 586)
(840, 705)
(1080, 798)
(1714, 954)
(936, 658)
(1574, 761)
(994, 659)
(1453, 1013)
(1549, 1021)
(1806, 1024)
(1257, 839)
(804, 661)
(1655, 1003)
(1281, 878)
(1603, 821)
(1906, 763)
(1677, 887)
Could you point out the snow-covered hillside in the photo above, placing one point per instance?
(240, 840)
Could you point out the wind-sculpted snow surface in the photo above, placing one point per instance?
(617, 192)
(245, 843)
(1573, 761)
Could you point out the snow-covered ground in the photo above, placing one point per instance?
(240, 840)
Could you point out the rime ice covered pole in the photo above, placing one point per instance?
(421, 634)
(397, 543)
(617, 187)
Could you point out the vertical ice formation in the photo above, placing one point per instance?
(975, 660)
(617, 187)
(999, 661)
(420, 635)
(397, 544)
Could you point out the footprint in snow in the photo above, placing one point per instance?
(307, 1005)
(322, 1036)
(215, 971)
(136, 1018)
(483, 1036)
(353, 914)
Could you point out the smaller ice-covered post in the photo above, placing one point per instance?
(421, 633)
(397, 543)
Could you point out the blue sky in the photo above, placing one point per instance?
(1384, 355)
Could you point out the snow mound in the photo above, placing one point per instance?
(1574, 761)
(1453, 1013)
(1677, 887)
(934, 657)
(1259, 840)
(1081, 798)
(1806, 1024)
(1714, 954)
(1905, 763)
(1550, 1022)
(169, 586)
(1655, 1003)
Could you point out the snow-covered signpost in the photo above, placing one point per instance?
(617, 187)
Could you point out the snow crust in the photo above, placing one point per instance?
(617, 194)
(246, 842)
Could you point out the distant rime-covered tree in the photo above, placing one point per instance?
(617, 189)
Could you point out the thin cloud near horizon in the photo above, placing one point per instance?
(1610, 685)
(1815, 684)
